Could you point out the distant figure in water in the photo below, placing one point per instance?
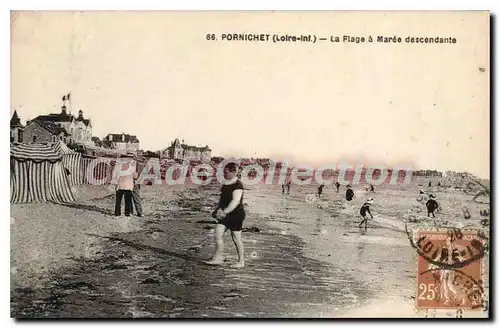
(320, 190)
(230, 214)
(484, 213)
(439, 184)
(431, 205)
(349, 193)
(283, 189)
(371, 188)
(288, 184)
(430, 184)
(365, 209)
(337, 185)
(466, 212)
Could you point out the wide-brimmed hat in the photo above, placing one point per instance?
(432, 196)
(369, 200)
(348, 186)
(128, 155)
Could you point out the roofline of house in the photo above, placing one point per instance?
(46, 128)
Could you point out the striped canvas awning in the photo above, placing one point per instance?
(35, 153)
(62, 149)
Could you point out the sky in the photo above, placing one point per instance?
(156, 76)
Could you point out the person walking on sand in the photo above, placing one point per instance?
(125, 184)
(431, 205)
(283, 188)
(230, 214)
(337, 185)
(349, 193)
(320, 190)
(365, 209)
(136, 196)
(288, 184)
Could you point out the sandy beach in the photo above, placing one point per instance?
(303, 258)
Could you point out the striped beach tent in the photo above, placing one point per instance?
(97, 164)
(38, 175)
(72, 161)
(97, 170)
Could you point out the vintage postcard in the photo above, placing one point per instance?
(250, 164)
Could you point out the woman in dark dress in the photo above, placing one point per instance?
(230, 215)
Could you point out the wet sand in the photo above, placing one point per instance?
(302, 259)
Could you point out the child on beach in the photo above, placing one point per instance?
(320, 190)
(431, 205)
(337, 185)
(365, 209)
(288, 184)
(349, 193)
(230, 214)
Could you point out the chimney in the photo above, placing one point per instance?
(80, 114)
(123, 137)
(63, 109)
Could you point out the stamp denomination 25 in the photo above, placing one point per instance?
(449, 269)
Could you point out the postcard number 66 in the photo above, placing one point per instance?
(426, 289)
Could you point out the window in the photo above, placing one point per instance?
(34, 138)
(54, 138)
(20, 136)
(11, 136)
(61, 137)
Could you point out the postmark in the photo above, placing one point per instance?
(449, 269)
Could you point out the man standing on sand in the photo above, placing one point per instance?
(349, 193)
(136, 196)
(125, 184)
(431, 205)
(230, 215)
(337, 185)
(365, 209)
(320, 190)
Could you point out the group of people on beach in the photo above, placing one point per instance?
(229, 212)
(431, 204)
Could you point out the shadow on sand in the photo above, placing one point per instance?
(147, 247)
(92, 208)
(207, 221)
